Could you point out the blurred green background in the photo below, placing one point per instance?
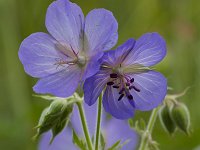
(177, 21)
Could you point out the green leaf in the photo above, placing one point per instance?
(115, 146)
(78, 142)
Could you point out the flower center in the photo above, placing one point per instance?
(124, 84)
(73, 58)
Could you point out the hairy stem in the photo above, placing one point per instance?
(98, 125)
(84, 125)
(148, 131)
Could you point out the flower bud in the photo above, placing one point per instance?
(181, 116)
(54, 117)
(166, 120)
(63, 121)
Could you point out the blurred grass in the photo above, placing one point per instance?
(177, 21)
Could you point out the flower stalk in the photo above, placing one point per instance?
(98, 127)
(145, 136)
(84, 126)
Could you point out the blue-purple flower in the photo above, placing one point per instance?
(69, 54)
(113, 130)
(130, 83)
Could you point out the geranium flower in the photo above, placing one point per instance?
(70, 52)
(129, 82)
(113, 130)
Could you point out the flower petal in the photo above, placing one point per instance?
(119, 109)
(59, 143)
(65, 21)
(120, 130)
(39, 55)
(149, 49)
(100, 31)
(61, 84)
(93, 87)
(115, 57)
(92, 66)
(153, 88)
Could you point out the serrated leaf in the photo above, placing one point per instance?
(78, 142)
(115, 146)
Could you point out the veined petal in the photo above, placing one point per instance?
(93, 87)
(93, 66)
(100, 31)
(65, 21)
(119, 109)
(115, 57)
(63, 140)
(153, 88)
(61, 84)
(116, 130)
(149, 49)
(39, 55)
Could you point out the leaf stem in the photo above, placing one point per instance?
(148, 131)
(84, 125)
(98, 125)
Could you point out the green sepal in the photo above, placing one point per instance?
(166, 121)
(78, 142)
(62, 123)
(181, 116)
(115, 146)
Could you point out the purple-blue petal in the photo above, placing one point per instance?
(61, 84)
(149, 49)
(119, 109)
(65, 22)
(62, 141)
(100, 31)
(93, 66)
(115, 57)
(93, 87)
(39, 55)
(116, 130)
(153, 88)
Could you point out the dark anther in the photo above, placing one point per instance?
(110, 83)
(121, 91)
(115, 86)
(127, 84)
(120, 97)
(113, 75)
(130, 97)
(132, 80)
(136, 89)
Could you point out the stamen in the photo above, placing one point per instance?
(110, 83)
(133, 87)
(120, 97)
(113, 75)
(116, 86)
(132, 80)
(127, 84)
(130, 97)
(121, 91)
